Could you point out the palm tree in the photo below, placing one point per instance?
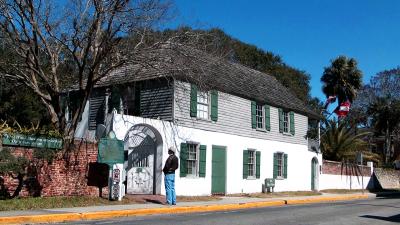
(385, 114)
(339, 143)
(342, 79)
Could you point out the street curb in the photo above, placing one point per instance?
(70, 217)
(326, 199)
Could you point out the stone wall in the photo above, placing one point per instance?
(337, 168)
(71, 173)
(387, 178)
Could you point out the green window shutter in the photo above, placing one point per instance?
(275, 174)
(245, 164)
(285, 166)
(258, 160)
(214, 105)
(267, 118)
(202, 162)
(183, 159)
(253, 114)
(291, 114)
(280, 111)
(193, 100)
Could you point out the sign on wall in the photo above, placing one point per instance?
(32, 141)
(111, 151)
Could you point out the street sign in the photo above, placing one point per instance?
(116, 175)
(32, 141)
(111, 151)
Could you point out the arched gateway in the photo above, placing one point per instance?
(143, 145)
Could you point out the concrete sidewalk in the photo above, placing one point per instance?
(109, 211)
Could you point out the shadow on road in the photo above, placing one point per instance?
(394, 218)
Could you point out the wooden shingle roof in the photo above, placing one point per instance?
(209, 72)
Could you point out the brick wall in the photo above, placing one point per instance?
(336, 168)
(73, 172)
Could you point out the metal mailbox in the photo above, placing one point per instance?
(269, 184)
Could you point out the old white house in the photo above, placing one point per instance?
(232, 126)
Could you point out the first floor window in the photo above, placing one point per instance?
(252, 164)
(192, 159)
(202, 105)
(280, 165)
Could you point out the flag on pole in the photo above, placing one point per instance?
(343, 109)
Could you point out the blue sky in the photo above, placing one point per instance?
(307, 34)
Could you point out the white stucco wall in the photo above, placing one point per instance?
(329, 181)
(299, 158)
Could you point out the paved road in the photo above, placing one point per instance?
(374, 211)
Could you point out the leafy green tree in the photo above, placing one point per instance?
(376, 108)
(19, 105)
(385, 114)
(342, 79)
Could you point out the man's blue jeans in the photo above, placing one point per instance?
(169, 181)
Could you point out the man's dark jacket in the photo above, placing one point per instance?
(171, 165)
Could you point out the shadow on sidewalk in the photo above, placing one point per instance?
(142, 199)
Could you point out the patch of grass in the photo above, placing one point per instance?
(56, 202)
(343, 191)
(82, 201)
(277, 194)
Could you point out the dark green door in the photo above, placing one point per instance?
(218, 177)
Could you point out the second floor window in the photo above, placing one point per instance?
(285, 122)
(259, 117)
(202, 105)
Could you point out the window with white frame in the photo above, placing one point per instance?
(192, 159)
(252, 163)
(202, 105)
(280, 162)
(259, 116)
(285, 122)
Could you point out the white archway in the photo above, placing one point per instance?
(143, 163)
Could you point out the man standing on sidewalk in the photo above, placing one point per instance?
(169, 172)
